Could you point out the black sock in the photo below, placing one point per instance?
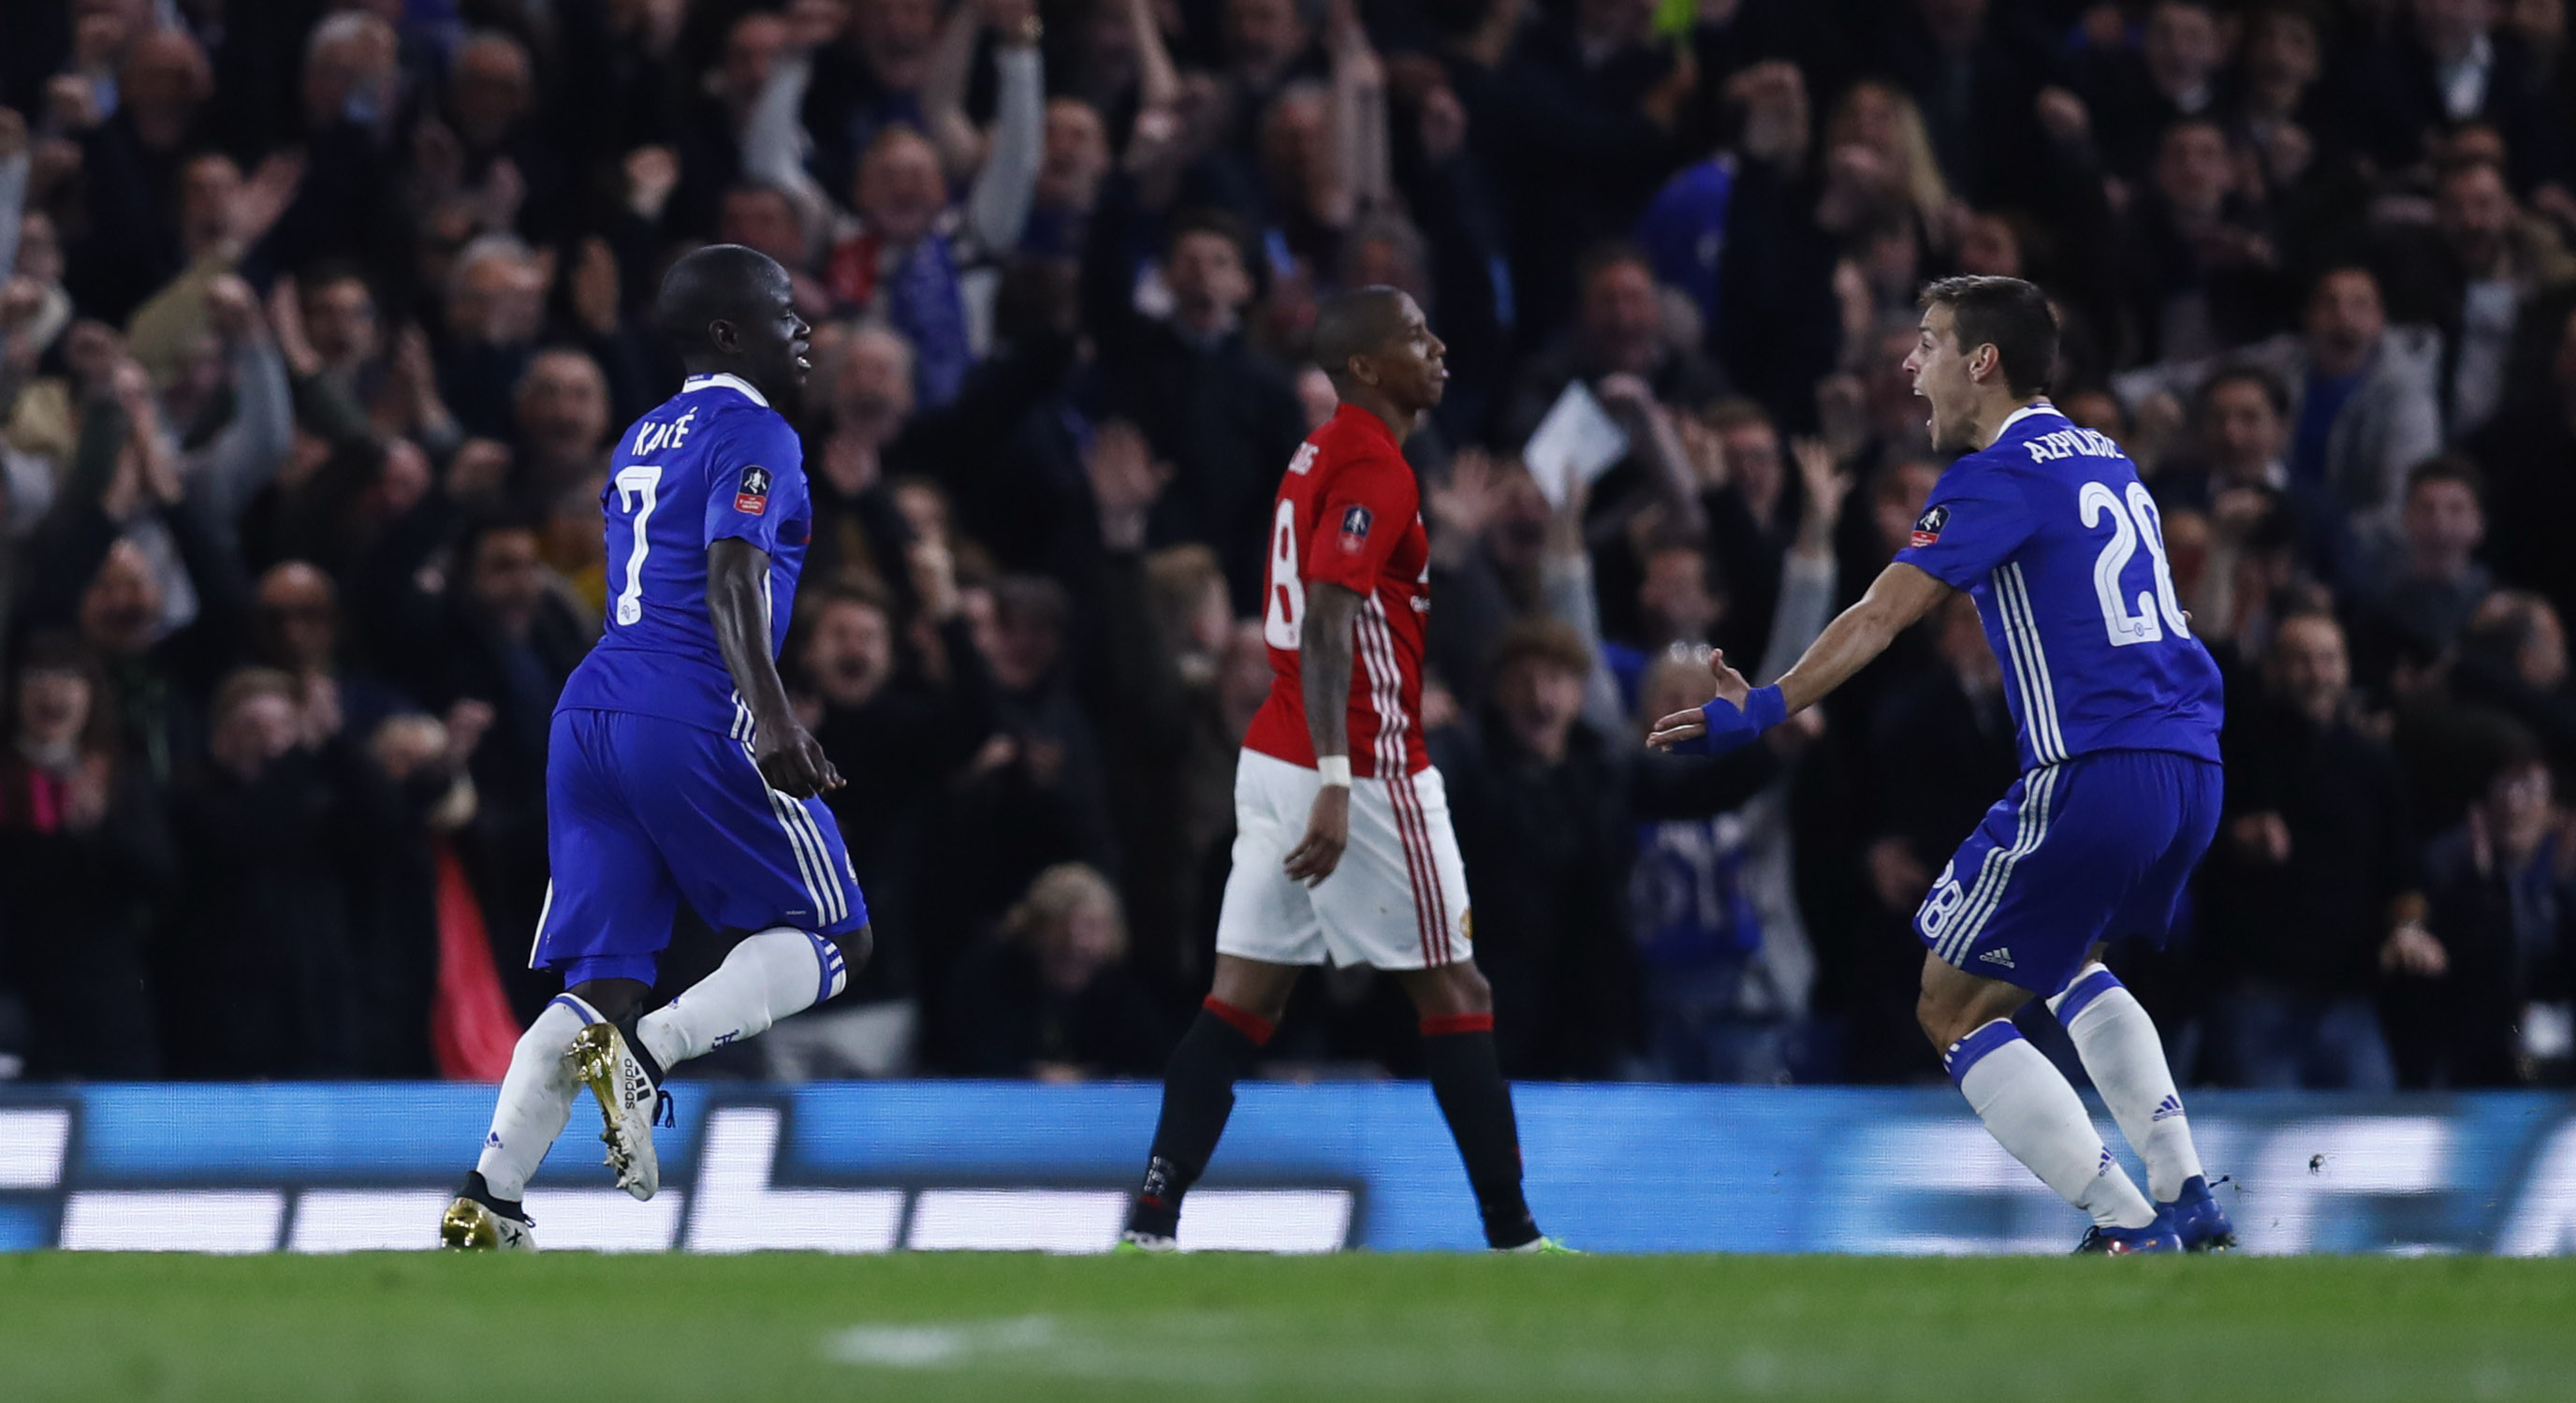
(1467, 1078)
(1198, 1095)
(481, 1192)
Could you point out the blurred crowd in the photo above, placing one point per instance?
(317, 321)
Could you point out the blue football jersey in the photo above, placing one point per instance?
(2064, 551)
(712, 462)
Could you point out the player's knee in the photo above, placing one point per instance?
(612, 999)
(1466, 987)
(1944, 1017)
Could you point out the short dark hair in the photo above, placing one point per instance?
(2448, 467)
(1204, 220)
(2275, 392)
(716, 282)
(1356, 323)
(2009, 314)
(1547, 642)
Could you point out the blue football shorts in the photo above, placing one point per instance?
(2095, 848)
(642, 813)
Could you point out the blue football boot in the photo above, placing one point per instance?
(2198, 1220)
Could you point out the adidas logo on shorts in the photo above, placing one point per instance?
(1998, 957)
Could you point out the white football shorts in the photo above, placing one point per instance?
(1397, 901)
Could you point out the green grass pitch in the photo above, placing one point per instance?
(1355, 1326)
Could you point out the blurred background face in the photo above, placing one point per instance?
(499, 298)
(1538, 703)
(896, 38)
(1076, 155)
(359, 63)
(1073, 950)
(874, 386)
(2308, 666)
(1898, 500)
(901, 190)
(258, 729)
(2246, 436)
(761, 218)
(2519, 808)
(2192, 170)
(563, 405)
(207, 187)
(507, 579)
(488, 91)
(1207, 277)
(298, 623)
(1674, 594)
(2443, 522)
(751, 49)
(1263, 36)
(2345, 320)
(2281, 53)
(53, 706)
(1623, 323)
(2475, 214)
(2182, 47)
(1990, 248)
(123, 604)
(852, 653)
(165, 78)
(340, 321)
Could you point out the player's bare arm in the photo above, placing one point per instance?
(1897, 600)
(789, 758)
(1324, 673)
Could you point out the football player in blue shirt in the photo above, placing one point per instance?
(675, 770)
(2117, 706)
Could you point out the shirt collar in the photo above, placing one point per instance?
(2039, 406)
(730, 382)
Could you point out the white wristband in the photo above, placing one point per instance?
(1335, 769)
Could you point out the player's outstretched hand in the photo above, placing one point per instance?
(794, 763)
(1739, 713)
(1328, 832)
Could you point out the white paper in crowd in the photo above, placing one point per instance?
(1577, 439)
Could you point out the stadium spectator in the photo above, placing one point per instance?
(2310, 888)
(85, 858)
(2502, 891)
(264, 982)
(1049, 995)
(2437, 584)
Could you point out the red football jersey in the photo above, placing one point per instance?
(1350, 513)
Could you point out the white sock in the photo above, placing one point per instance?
(767, 977)
(536, 1098)
(2126, 1060)
(2032, 1111)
